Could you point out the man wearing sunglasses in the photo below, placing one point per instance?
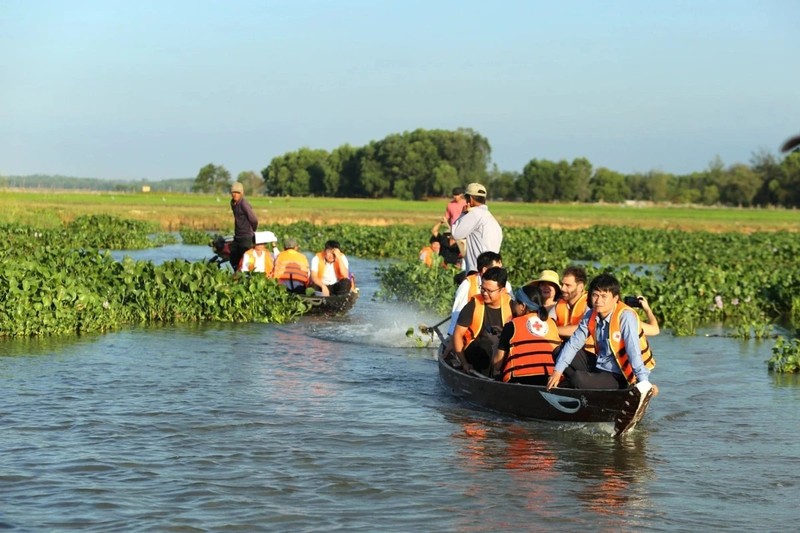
(481, 321)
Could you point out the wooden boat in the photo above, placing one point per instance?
(330, 305)
(623, 408)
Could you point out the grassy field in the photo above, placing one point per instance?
(211, 212)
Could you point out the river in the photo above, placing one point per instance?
(341, 424)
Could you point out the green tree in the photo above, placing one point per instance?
(212, 179)
(539, 181)
(252, 181)
(739, 185)
(609, 186)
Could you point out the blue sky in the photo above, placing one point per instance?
(157, 89)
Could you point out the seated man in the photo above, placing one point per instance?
(525, 350)
(481, 321)
(571, 307)
(258, 258)
(448, 248)
(330, 271)
(291, 268)
(430, 254)
(623, 353)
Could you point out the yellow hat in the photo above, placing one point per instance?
(548, 276)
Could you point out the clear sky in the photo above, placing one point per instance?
(156, 89)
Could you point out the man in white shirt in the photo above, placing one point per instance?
(477, 226)
(330, 271)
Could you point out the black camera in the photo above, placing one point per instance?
(632, 301)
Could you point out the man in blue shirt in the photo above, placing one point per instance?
(623, 353)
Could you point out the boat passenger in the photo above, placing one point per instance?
(624, 356)
(477, 226)
(572, 305)
(272, 244)
(470, 285)
(258, 258)
(481, 321)
(525, 349)
(430, 254)
(330, 271)
(448, 248)
(291, 267)
(245, 225)
(550, 287)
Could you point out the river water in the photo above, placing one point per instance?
(341, 424)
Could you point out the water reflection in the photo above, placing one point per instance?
(601, 476)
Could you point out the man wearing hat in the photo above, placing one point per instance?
(525, 350)
(291, 267)
(477, 226)
(245, 224)
(258, 258)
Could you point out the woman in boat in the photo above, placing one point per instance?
(550, 287)
(525, 350)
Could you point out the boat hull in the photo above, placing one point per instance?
(622, 408)
(330, 305)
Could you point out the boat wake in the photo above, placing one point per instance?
(393, 328)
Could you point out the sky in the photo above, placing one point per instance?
(143, 89)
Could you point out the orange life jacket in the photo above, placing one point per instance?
(475, 327)
(291, 265)
(426, 256)
(250, 260)
(338, 267)
(570, 317)
(474, 285)
(531, 347)
(617, 343)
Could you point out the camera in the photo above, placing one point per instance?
(632, 301)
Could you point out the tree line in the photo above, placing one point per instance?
(429, 163)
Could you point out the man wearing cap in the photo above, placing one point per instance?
(258, 258)
(330, 271)
(525, 350)
(245, 224)
(477, 226)
(291, 267)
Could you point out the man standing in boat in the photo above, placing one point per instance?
(330, 271)
(481, 321)
(245, 224)
(477, 226)
(623, 353)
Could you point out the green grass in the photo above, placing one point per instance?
(211, 212)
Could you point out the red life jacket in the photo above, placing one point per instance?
(531, 347)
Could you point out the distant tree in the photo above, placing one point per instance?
(577, 187)
(739, 185)
(502, 184)
(609, 186)
(252, 181)
(212, 179)
(539, 181)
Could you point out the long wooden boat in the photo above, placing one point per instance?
(330, 305)
(622, 408)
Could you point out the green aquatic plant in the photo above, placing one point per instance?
(785, 356)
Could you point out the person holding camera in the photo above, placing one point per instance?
(624, 357)
(650, 327)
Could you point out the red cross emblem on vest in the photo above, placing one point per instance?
(536, 326)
